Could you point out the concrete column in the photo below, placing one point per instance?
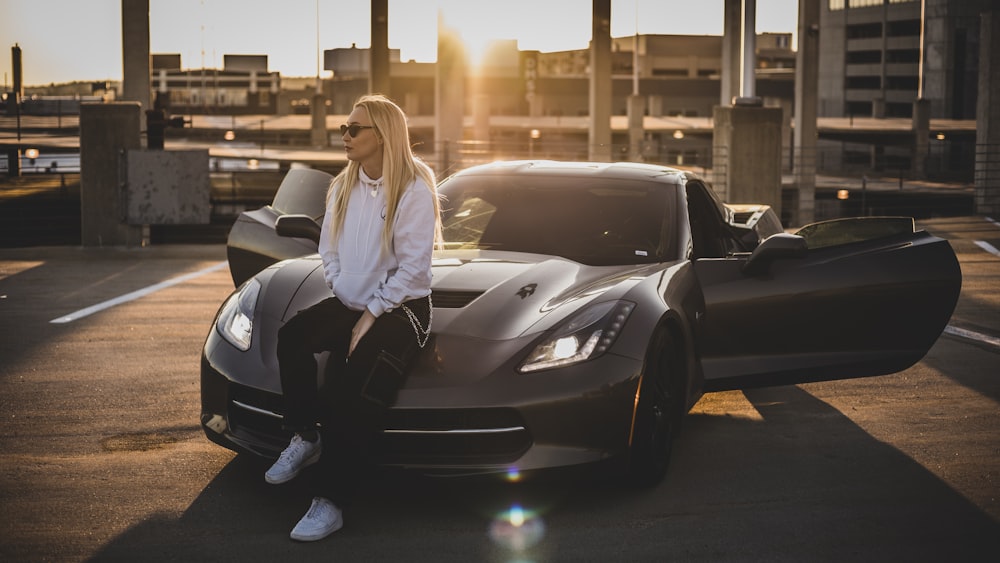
(746, 148)
(878, 108)
(748, 81)
(106, 132)
(481, 117)
(411, 103)
(655, 105)
(806, 104)
(449, 95)
(921, 137)
(136, 84)
(536, 105)
(318, 135)
(730, 52)
(987, 175)
(378, 79)
(636, 130)
(600, 82)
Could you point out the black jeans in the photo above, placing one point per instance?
(352, 403)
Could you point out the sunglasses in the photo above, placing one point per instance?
(353, 130)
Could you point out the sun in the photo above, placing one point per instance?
(477, 32)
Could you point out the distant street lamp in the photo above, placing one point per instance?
(31, 154)
(532, 137)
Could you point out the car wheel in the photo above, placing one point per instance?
(657, 415)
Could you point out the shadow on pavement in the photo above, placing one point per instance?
(804, 483)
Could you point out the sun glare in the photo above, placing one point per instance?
(478, 31)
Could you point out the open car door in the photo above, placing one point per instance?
(839, 299)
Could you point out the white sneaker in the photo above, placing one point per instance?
(322, 519)
(298, 455)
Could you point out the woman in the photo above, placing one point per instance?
(382, 219)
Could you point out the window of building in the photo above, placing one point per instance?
(864, 3)
(864, 57)
(669, 72)
(865, 31)
(901, 82)
(902, 56)
(897, 109)
(863, 109)
(903, 28)
(864, 82)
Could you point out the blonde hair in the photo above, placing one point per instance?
(399, 168)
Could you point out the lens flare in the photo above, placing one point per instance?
(517, 529)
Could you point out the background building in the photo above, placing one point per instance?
(870, 57)
(242, 86)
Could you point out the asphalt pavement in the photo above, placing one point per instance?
(102, 457)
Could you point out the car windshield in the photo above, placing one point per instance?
(587, 220)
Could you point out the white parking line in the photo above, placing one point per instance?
(987, 247)
(972, 335)
(136, 294)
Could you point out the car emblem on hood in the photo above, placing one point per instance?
(527, 290)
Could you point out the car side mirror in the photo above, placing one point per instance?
(299, 226)
(775, 247)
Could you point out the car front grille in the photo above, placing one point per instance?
(413, 437)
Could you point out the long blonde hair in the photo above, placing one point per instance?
(399, 168)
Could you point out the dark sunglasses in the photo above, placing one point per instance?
(353, 130)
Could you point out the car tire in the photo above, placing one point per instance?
(657, 415)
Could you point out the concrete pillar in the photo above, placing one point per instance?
(748, 80)
(536, 105)
(655, 105)
(806, 105)
(599, 140)
(136, 84)
(318, 135)
(481, 117)
(921, 137)
(636, 130)
(987, 175)
(378, 79)
(730, 52)
(878, 108)
(746, 148)
(411, 103)
(449, 95)
(106, 132)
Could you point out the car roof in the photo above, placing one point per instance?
(620, 170)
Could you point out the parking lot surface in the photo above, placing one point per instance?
(102, 457)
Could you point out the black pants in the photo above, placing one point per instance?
(352, 403)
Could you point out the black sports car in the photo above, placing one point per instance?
(580, 310)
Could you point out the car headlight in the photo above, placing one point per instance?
(235, 322)
(585, 336)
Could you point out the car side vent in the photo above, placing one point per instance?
(454, 299)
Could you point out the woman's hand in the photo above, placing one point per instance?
(360, 328)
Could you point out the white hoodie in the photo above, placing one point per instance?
(357, 270)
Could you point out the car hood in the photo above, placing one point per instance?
(488, 295)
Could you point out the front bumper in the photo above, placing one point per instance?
(546, 420)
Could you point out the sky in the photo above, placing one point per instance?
(68, 40)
